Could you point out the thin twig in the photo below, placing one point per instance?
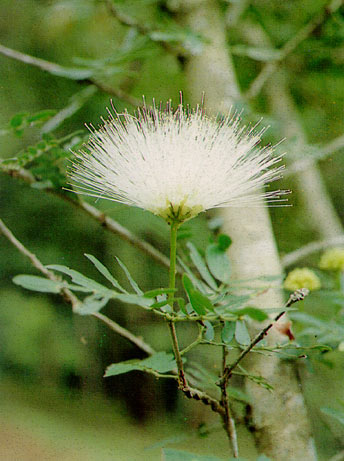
(324, 151)
(228, 420)
(69, 296)
(188, 391)
(107, 222)
(61, 71)
(234, 13)
(298, 295)
(74, 105)
(290, 46)
(143, 29)
(195, 343)
(116, 228)
(334, 145)
(125, 333)
(32, 257)
(196, 394)
(313, 247)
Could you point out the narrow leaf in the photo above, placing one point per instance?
(91, 305)
(197, 282)
(132, 282)
(80, 279)
(241, 334)
(160, 362)
(181, 304)
(187, 283)
(199, 302)
(159, 291)
(105, 272)
(253, 312)
(237, 394)
(201, 266)
(131, 298)
(36, 283)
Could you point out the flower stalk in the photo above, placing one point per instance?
(172, 284)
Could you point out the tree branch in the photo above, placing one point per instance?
(228, 420)
(107, 222)
(143, 29)
(310, 248)
(69, 296)
(269, 68)
(188, 391)
(326, 150)
(61, 71)
(298, 295)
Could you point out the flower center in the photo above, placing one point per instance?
(179, 212)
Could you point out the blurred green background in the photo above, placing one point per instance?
(54, 403)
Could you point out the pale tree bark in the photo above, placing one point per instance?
(280, 417)
(318, 208)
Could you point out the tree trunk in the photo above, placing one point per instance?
(282, 428)
(317, 205)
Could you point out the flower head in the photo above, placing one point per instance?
(302, 278)
(176, 164)
(332, 259)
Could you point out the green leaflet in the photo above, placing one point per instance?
(80, 279)
(129, 277)
(36, 283)
(227, 333)
(218, 262)
(199, 302)
(242, 335)
(105, 272)
(160, 362)
(201, 266)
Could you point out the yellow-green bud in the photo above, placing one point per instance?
(332, 260)
(302, 278)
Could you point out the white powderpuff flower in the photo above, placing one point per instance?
(176, 164)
